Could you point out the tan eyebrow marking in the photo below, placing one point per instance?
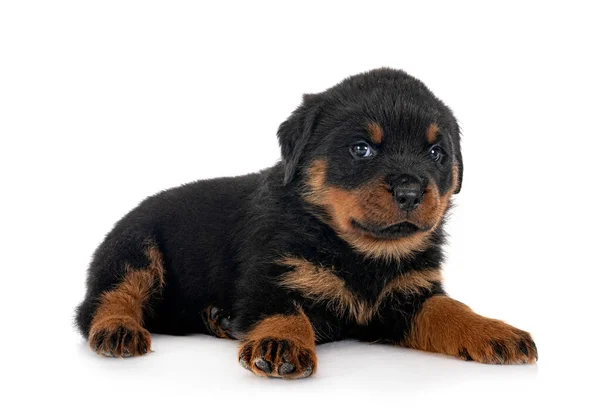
(432, 132)
(375, 132)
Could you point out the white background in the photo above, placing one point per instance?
(104, 103)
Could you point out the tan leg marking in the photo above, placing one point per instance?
(449, 327)
(117, 327)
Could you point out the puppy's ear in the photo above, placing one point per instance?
(457, 154)
(295, 133)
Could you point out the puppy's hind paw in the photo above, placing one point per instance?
(217, 321)
(119, 337)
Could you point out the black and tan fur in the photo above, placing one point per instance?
(341, 239)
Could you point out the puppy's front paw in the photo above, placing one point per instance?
(447, 326)
(119, 337)
(278, 358)
(499, 343)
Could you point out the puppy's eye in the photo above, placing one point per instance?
(436, 153)
(361, 150)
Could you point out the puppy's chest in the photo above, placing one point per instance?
(351, 293)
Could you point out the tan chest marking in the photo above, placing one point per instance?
(322, 285)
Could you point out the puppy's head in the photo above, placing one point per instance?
(378, 158)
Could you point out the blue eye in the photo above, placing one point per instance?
(436, 153)
(361, 150)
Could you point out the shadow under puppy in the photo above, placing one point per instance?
(341, 239)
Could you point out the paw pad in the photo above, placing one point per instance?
(278, 358)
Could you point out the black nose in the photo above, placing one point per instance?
(408, 192)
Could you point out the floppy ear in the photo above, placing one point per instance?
(295, 133)
(455, 139)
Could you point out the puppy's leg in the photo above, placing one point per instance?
(280, 346)
(446, 326)
(112, 314)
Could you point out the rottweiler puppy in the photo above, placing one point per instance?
(340, 239)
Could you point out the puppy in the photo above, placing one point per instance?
(341, 239)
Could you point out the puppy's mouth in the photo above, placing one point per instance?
(399, 230)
